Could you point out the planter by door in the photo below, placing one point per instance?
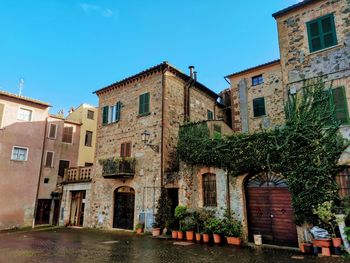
(189, 235)
(217, 238)
(174, 234)
(234, 241)
(156, 232)
(180, 235)
(124, 199)
(269, 210)
(198, 237)
(205, 238)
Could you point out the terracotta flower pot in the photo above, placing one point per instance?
(234, 241)
(189, 235)
(326, 242)
(206, 238)
(336, 241)
(180, 235)
(174, 234)
(139, 230)
(198, 237)
(156, 232)
(217, 238)
(305, 248)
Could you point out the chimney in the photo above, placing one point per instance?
(191, 71)
(71, 110)
(195, 75)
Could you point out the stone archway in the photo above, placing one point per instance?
(124, 201)
(269, 209)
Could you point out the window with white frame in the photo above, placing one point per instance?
(24, 114)
(49, 159)
(19, 153)
(52, 131)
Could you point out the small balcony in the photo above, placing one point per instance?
(77, 175)
(118, 168)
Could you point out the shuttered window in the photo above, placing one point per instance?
(105, 110)
(210, 115)
(209, 189)
(340, 105)
(2, 108)
(343, 180)
(67, 135)
(62, 166)
(88, 138)
(257, 80)
(144, 102)
(49, 159)
(111, 114)
(125, 149)
(259, 107)
(90, 114)
(322, 33)
(52, 131)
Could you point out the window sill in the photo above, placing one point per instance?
(20, 161)
(108, 124)
(259, 117)
(326, 49)
(258, 84)
(143, 114)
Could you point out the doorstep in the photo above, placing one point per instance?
(252, 245)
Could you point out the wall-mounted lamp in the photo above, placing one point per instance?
(145, 139)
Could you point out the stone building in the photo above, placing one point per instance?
(22, 131)
(61, 148)
(76, 183)
(137, 133)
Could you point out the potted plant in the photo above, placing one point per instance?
(325, 213)
(139, 228)
(188, 226)
(155, 229)
(232, 229)
(215, 225)
(202, 218)
(198, 224)
(180, 214)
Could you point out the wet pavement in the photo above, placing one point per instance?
(80, 245)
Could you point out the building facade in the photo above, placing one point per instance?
(22, 132)
(137, 133)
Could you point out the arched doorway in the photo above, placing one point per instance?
(124, 200)
(269, 209)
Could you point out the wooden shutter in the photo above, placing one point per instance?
(210, 115)
(49, 158)
(105, 115)
(88, 138)
(52, 133)
(118, 108)
(259, 107)
(144, 103)
(209, 190)
(62, 166)
(2, 107)
(67, 134)
(125, 149)
(340, 105)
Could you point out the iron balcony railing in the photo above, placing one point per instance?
(118, 168)
(77, 174)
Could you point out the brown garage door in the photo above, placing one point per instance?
(269, 210)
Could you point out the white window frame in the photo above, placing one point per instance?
(48, 134)
(26, 109)
(52, 161)
(74, 130)
(21, 147)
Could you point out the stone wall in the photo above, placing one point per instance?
(243, 93)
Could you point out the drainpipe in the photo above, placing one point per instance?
(40, 173)
(162, 134)
(228, 197)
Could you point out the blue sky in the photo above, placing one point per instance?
(66, 49)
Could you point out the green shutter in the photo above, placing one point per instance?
(210, 115)
(105, 115)
(144, 103)
(321, 33)
(118, 108)
(259, 107)
(340, 105)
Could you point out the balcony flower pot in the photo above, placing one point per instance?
(234, 241)
(189, 235)
(174, 234)
(139, 230)
(156, 231)
(205, 238)
(198, 237)
(336, 241)
(217, 238)
(180, 235)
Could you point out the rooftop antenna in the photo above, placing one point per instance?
(21, 84)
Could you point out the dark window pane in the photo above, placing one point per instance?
(326, 25)
(67, 135)
(209, 190)
(314, 31)
(90, 114)
(316, 44)
(62, 166)
(88, 138)
(259, 107)
(49, 158)
(329, 40)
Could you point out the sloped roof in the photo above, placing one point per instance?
(151, 70)
(293, 7)
(23, 98)
(253, 68)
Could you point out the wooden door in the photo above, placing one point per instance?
(77, 208)
(269, 210)
(43, 211)
(124, 200)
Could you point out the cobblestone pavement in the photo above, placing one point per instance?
(78, 245)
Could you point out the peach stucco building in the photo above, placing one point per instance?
(22, 129)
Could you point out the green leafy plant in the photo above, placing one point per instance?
(305, 150)
(165, 216)
(180, 214)
(326, 215)
(139, 226)
(231, 226)
(216, 225)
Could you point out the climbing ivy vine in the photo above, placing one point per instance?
(305, 150)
